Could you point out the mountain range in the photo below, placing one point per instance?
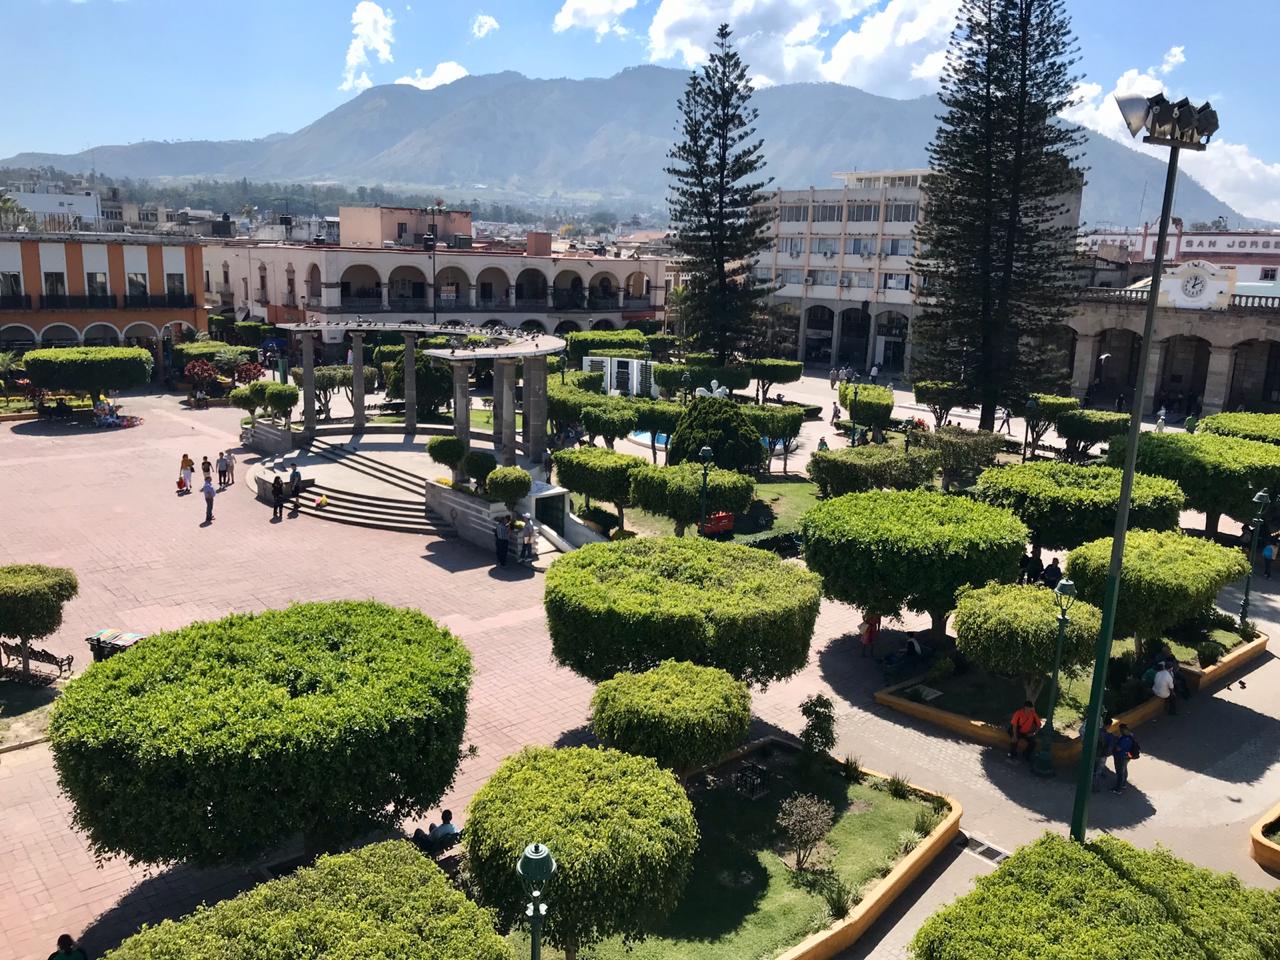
(604, 138)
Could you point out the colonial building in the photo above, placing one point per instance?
(1255, 254)
(99, 289)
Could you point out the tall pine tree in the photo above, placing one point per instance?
(716, 201)
(996, 244)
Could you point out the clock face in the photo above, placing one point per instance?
(1193, 286)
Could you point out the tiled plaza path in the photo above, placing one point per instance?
(104, 504)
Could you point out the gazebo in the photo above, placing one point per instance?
(506, 348)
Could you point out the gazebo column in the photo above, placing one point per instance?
(508, 414)
(410, 384)
(461, 410)
(499, 373)
(308, 384)
(535, 407)
(357, 379)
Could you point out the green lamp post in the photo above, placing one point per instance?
(706, 455)
(1261, 499)
(535, 866)
(1042, 762)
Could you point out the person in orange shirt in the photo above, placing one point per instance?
(1023, 725)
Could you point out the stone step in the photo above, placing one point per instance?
(351, 457)
(334, 514)
(373, 471)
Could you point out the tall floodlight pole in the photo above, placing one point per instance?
(1178, 126)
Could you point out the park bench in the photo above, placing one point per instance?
(11, 655)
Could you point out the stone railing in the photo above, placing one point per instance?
(1239, 302)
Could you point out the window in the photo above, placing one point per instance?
(207, 288)
(865, 183)
(795, 213)
(896, 281)
(826, 246)
(828, 213)
(906, 181)
(793, 245)
(792, 276)
(95, 284)
(175, 284)
(860, 245)
(822, 278)
(55, 284)
(857, 278)
(901, 212)
(897, 247)
(137, 284)
(401, 229)
(10, 284)
(864, 212)
(1268, 273)
(762, 273)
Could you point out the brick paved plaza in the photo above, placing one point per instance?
(104, 504)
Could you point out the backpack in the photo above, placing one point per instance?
(1135, 751)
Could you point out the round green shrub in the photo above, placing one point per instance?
(961, 453)
(770, 371)
(1263, 427)
(941, 397)
(680, 714)
(31, 600)
(221, 741)
(509, 484)
(1166, 577)
(448, 451)
(1084, 429)
(280, 398)
(184, 353)
(242, 399)
(632, 604)
(1218, 474)
(1012, 630)
(620, 827)
(719, 424)
(478, 464)
(383, 900)
(872, 467)
(874, 406)
(1066, 505)
(598, 473)
(676, 492)
(258, 392)
(91, 370)
(888, 549)
(609, 419)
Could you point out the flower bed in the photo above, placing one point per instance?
(1264, 839)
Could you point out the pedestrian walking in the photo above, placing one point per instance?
(277, 498)
(502, 540)
(209, 494)
(221, 464)
(870, 631)
(187, 470)
(1005, 424)
(206, 469)
(1105, 740)
(1124, 747)
(835, 412)
(528, 539)
(231, 468)
(295, 484)
(833, 376)
(875, 371)
(1162, 687)
(1268, 554)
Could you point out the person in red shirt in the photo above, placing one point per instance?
(1023, 725)
(870, 631)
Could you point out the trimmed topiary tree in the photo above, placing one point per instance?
(280, 399)
(776, 425)
(1103, 898)
(682, 715)
(718, 424)
(91, 370)
(599, 473)
(610, 419)
(1066, 505)
(31, 600)
(449, 451)
(961, 453)
(384, 900)
(875, 466)
(589, 341)
(478, 464)
(676, 492)
(889, 549)
(1082, 430)
(1048, 407)
(258, 392)
(1218, 474)
(1012, 630)
(768, 372)
(873, 408)
(632, 604)
(509, 484)
(1166, 578)
(658, 417)
(1263, 427)
(941, 397)
(242, 399)
(621, 829)
(221, 741)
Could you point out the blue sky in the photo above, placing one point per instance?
(117, 71)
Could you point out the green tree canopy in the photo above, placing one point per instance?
(676, 492)
(961, 453)
(433, 384)
(768, 372)
(718, 424)
(657, 417)
(384, 900)
(873, 406)
(889, 549)
(621, 829)
(610, 419)
(630, 605)
(280, 398)
(447, 451)
(221, 741)
(591, 341)
(1263, 427)
(91, 370)
(1084, 429)
(777, 425)
(599, 473)
(941, 397)
(1041, 411)
(31, 600)
(871, 467)
(1065, 505)
(509, 484)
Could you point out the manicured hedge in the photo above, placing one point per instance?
(1218, 474)
(184, 353)
(383, 900)
(588, 342)
(610, 419)
(1105, 898)
(220, 741)
(630, 605)
(1012, 630)
(620, 827)
(1084, 429)
(874, 407)
(92, 370)
(1166, 578)
(509, 485)
(280, 398)
(448, 450)
(598, 473)
(720, 425)
(670, 376)
(941, 397)
(889, 549)
(961, 453)
(655, 417)
(676, 492)
(478, 464)
(31, 600)
(683, 715)
(875, 466)
(1263, 427)
(770, 372)
(1066, 505)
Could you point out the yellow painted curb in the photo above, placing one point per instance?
(1266, 852)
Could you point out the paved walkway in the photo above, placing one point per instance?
(104, 504)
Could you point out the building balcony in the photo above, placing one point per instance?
(408, 305)
(261, 298)
(360, 305)
(290, 300)
(159, 301)
(416, 305)
(15, 301)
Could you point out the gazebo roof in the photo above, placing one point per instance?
(505, 343)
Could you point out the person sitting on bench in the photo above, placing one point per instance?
(434, 838)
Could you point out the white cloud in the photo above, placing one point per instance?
(889, 47)
(371, 31)
(444, 73)
(482, 25)
(602, 16)
(1230, 171)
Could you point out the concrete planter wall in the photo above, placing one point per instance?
(1263, 850)
(472, 517)
(270, 438)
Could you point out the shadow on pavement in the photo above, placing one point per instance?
(456, 555)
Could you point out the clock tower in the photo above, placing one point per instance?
(1198, 285)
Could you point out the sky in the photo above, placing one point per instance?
(119, 71)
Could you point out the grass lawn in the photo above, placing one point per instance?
(742, 900)
(778, 507)
(24, 710)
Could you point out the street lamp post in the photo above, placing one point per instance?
(686, 382)
(436, 208)
(1029, 414)
(535, 866)
(706, 456)
(1042, 762)
(1261, 499)
(564, 362)
(1178, 126)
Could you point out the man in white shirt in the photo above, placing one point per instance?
(436, 837)
(1162, 687)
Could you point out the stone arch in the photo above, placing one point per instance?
(602, 324)
(855, 334)
(570, 291)
(314, 283)
(531, 288)
(101, 335)
(56, 334)
(533, 326)
(361, 285)
(493, 323)
(141, 330)
(892, 329)
(603, 290)
(17, 335)
(637, 284)
(1114, 368)
(1184, 368)
(492, 284)
(408, 288)
(568, 326)
(819, 322)
(452, 288)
